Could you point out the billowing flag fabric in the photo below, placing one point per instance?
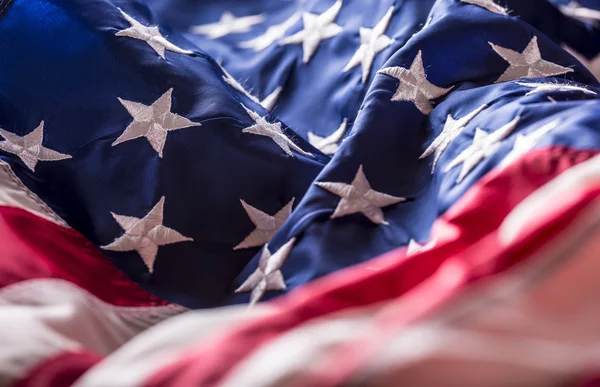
(299, 193)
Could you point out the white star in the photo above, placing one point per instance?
(268, 275)
(359, 197)
(153, 122)
(452, 128)
(228, 24)
(372, 41)
(316, 28)
(150, 35)
(266, 225)
(489, 5)
(484, 145)
(145, 235)
(525, 143)
(29, 148)
(528, 64)
(551, 87)
(573, 9)
(328, 145)
(268, 103)
(272, 34)
(262, 127)
(414, 86)
(414, 247)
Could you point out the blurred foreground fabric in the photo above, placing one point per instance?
(299, 193)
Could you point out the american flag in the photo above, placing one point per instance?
(299, 193)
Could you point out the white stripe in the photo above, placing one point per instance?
(136, 361)
(295, 353)
(14, 193)
(43, 317)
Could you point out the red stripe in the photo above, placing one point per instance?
(593, 382)
(33, 247)
(468, 223)
(60, 371)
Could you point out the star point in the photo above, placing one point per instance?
(29, 148)
(415, 247)
(527, 64)
(414, 86)
(483, 146)
(153, 122)
(273, 130)
(526, 142)
(575, 10)
(553, 87)
(228, 24)
(329, 145)
(316, 28)
(372, 42)
(268, 276)
(452, 128)
(268, 102)
(272, 34)
(490, 5)
(145, 235)
(266, 225)
(359, 197)
(150, 35)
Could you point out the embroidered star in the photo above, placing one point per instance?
(414, 247)
(552, 87)
(262, 127)
(272, 34)
(328, 145)
(266, 225)
(153, 122)
(145, 235)
(526, 142)
(268, 275)
(573, 9)
(29, 147)
(528, 64)
(150, 35)
(316, 28)
(452, 128)
(414, 86)
(484, 145)
(372, 41)
(489, 5)
(359, 197)
(268, 103)
(228, 24)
